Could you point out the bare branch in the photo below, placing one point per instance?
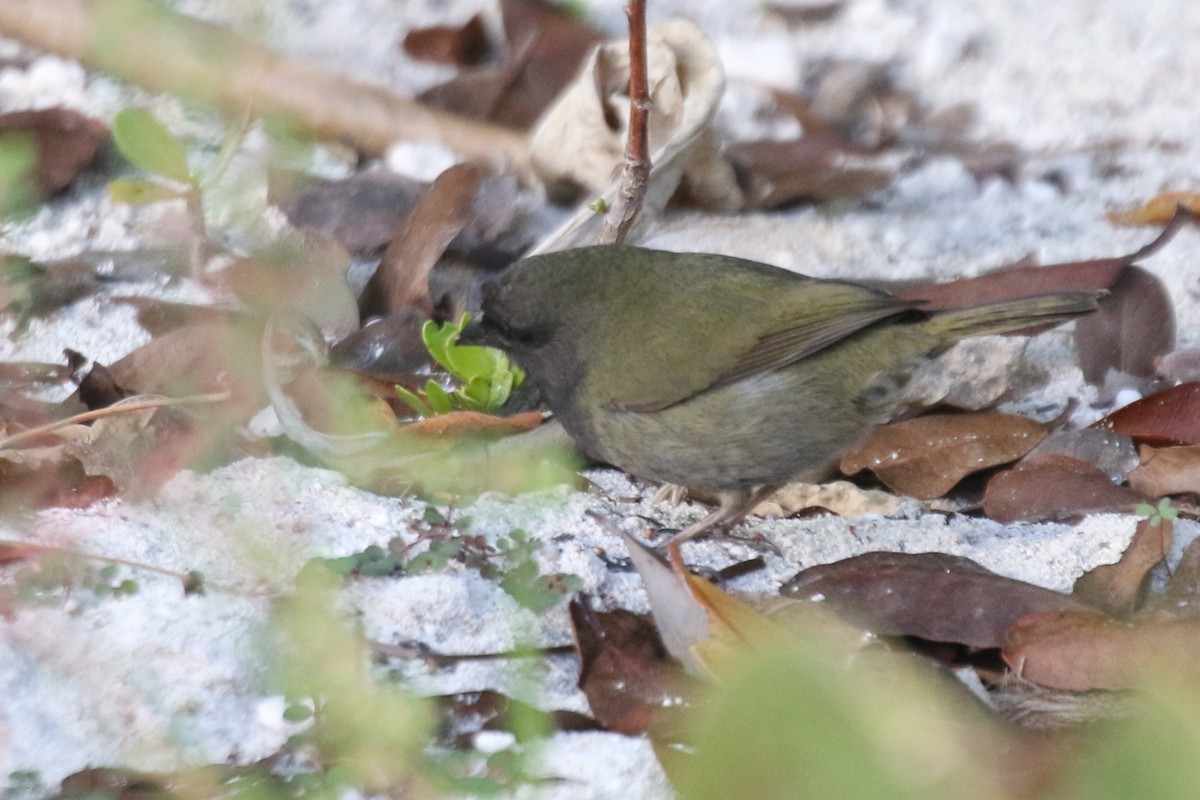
(161, 51)
(636, 172)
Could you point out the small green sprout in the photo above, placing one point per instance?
(486, 375)
(598, 205)
(1156, 514)
(148, 145)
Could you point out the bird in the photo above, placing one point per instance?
(720, 373)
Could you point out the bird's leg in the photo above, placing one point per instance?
(671, 493)
(733, 506)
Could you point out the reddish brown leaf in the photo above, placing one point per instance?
(1117, 588)
(926, 456)
(1168, 470)
(11, 552)
(1166, 417)
(774, 173)
(471, 423)
(66, 143)
(934, 596)
(1133, 327)
(60, 484)
(463, 45)
(1054, 487)
(1158, 210)
(402, 279)
(631, 684)
(1027, 280)
(1081, 651)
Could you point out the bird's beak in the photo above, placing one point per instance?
(476, 333)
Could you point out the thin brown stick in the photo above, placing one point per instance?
(121, 407)
(142, 43)
(636, 172)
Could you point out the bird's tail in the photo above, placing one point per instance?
(1012, 315)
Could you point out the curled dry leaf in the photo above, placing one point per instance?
(934, 596)
(1167, 470)
(64, 141)
(580, 141)
(1133, 326)
(402, 279)
(1117, 588)
(1054, 487)
(1082, 651)
(1158, 210)
(1166, 417)
(925, 457)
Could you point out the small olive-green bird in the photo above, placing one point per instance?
(719, 373)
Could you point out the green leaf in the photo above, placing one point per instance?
(140, 193)
(149, 146)
(439, 401)
(414, 401)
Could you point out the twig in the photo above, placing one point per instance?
(121, 407)
(636, 172)
(141, 42)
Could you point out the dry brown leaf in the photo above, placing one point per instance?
(632, 685)
(363, 212)
(1166, 417)
(925, 457)
(1158, 210)
(1082, 651)
(473, 423)
(1054, 487)
(1113, 453)
(65, 140)
(934, 596)
(775, 173)
(580, 141)
(402, 279)
(546, 46)
(463, 45)
(1167, 470)
(1133, 326)
(1026, 279)
(1117, 588)
(841, 497)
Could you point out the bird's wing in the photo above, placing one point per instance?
(760, 331)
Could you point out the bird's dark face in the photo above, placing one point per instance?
(524, 307)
